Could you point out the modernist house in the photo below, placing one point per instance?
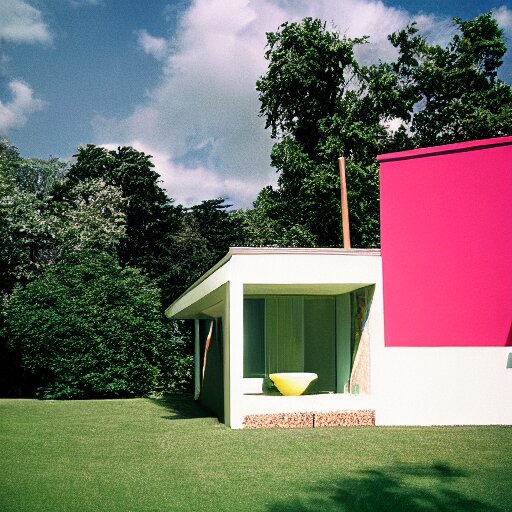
(417, 333)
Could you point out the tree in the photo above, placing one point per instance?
(23, 237)
(92, 220)
(27, 237)
(309, 73)
(149, 212)
(31, 175)
(264, 231)
(320, 103)
(53, 227)
(220, 227)
(455, 90)
(201, 235)
(36, 233)
(88, 328)
(161, 239)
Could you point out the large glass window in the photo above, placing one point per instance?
(305, 333)
(291, 334)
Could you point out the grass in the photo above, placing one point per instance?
(157, 455)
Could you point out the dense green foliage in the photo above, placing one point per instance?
(457, 87)
(104, 236)
(155, 455)
(25, 223)
(35, 231)
(320, 103)
(30, 175)
(199, 237)
(147, 208)
(173, 245)
(87, 328)
(86, 243)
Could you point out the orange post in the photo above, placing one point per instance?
(344, 204)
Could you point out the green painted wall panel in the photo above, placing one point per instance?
(299, 333)
(320, 341)
(254, 337)
(284, 340)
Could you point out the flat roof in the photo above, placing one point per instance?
(303, 250)
(446, 148)
(259, 251)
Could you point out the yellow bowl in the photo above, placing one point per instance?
(292, 383)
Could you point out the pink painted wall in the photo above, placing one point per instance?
(446, 240)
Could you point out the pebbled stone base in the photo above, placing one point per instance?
(311, 419)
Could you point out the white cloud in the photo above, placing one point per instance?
(190, 185)
(503, 15)
(392, 125)
(13, 114)
(205, 111)
(202, 118)
(22, 23)
(155, 46)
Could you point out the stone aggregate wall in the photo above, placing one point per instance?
(311, 419)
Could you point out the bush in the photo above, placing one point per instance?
(87, 328)
(174, 360)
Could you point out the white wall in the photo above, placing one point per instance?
(235, 356)
(442, 386)
(408, 385)
(322, 269)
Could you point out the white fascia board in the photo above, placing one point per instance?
(273, 266)
(204, 293)
(303, 269)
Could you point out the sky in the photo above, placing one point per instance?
(176, 78)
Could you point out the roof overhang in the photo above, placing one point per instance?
(279, 271)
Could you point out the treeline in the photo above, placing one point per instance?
(90, 256)
(320, 103)
(91, 253)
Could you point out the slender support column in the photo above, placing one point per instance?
(236, 353)
(343, 349)
(197, 361)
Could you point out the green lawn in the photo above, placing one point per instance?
(153, 455)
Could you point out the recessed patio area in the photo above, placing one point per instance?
(268, 310)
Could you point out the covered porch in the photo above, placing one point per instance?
(260, 311)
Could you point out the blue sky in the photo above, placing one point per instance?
(175, 79)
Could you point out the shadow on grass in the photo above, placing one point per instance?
(181, 407)
(393, 489)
